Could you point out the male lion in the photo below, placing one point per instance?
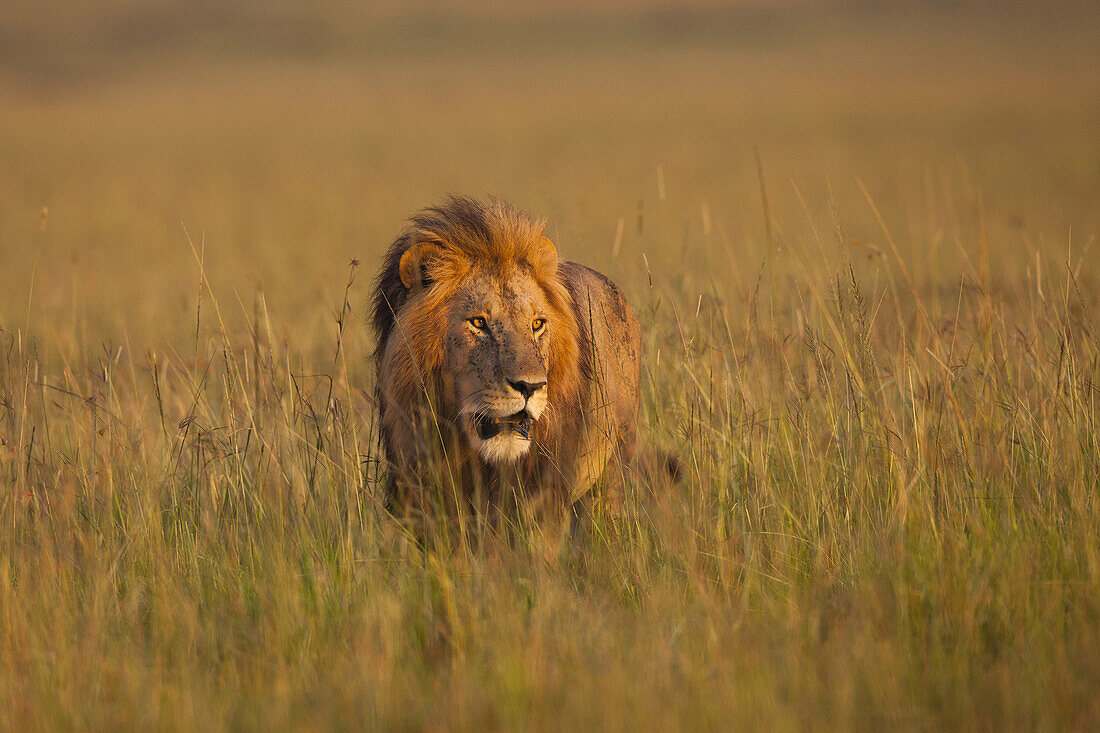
(504, 373)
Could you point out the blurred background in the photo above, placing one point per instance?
(293, 136)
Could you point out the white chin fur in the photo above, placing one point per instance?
(504, 448)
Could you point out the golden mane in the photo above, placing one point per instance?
(424, 267)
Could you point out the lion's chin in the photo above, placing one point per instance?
(507, 447)
(501, 440)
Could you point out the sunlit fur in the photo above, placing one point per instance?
(461, 259)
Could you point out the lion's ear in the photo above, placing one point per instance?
(415, 265)
(547, 258)
(549, 250)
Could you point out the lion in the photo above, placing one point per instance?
(504, 372)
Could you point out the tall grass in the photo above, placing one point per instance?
(872, 345)
(889, 516)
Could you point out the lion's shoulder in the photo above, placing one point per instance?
(595, 296)
(608, 333)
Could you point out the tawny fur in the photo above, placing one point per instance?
(435, 371)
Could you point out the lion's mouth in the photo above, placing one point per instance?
(487, 427)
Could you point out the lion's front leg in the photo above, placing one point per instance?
(594, 453)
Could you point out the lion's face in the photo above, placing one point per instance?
(496, 352)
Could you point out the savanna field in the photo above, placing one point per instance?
(861, 242)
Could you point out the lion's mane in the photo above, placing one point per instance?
(466, 231)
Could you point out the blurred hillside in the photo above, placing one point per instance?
(57, 42)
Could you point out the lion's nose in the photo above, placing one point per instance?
(526, 388)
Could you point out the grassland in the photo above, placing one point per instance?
(862, 248)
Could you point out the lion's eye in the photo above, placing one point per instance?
(477, 322)
(537, 324)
